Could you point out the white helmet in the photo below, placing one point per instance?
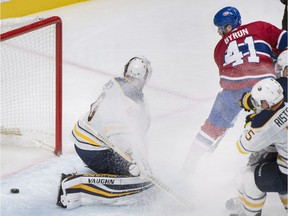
(267, 89)
(139, 68)
(282, 62)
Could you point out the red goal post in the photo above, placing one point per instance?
(31, 82)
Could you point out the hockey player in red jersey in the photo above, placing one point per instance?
(244, 55)
(281, 69)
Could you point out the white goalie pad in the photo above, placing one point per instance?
(89, 189)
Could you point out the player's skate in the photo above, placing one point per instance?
(234, 205)
(243, 214)
(60, 191)
(237, 214)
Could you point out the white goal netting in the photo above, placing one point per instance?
(28, 83)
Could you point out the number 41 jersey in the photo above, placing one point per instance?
(244, 55)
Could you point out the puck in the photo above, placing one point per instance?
(14, 190)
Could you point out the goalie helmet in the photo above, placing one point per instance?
(138, 68)
(227, 16)
(282, 62)
(267, 89)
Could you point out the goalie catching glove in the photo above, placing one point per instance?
(246, 103)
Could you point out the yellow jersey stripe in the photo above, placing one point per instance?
(84, 137)
(284, 201)
(239, 148)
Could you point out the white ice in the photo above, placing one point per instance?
(99, 37)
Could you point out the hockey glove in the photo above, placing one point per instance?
(245, 102)
(249, 119)
(261, 157)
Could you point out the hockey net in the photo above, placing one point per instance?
(31, 82)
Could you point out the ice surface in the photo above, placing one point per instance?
(178, 37)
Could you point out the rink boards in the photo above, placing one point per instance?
(18, 8)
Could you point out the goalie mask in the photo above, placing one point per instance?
(139, 69)
(267, 89)
(282, 63)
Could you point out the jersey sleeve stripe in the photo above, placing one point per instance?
(83, 136)
(242, 78)
(261, 47)
(282, 41)
(241, 148)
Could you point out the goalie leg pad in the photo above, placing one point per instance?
(103, 189)
(104, 161)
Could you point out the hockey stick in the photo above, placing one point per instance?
(165, 188)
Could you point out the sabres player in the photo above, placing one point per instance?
(119, 117)
(267, 133)
(244, 55)
(281, 68)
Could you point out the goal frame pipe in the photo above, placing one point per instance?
(58, 43)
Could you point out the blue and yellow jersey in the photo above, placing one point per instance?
(268, 128)
(120, 115)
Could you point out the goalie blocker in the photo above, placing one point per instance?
(85, 189)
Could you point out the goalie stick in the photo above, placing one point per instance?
(165, 188)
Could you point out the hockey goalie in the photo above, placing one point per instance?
(111, 140)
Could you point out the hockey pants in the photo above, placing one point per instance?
(257, 181)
